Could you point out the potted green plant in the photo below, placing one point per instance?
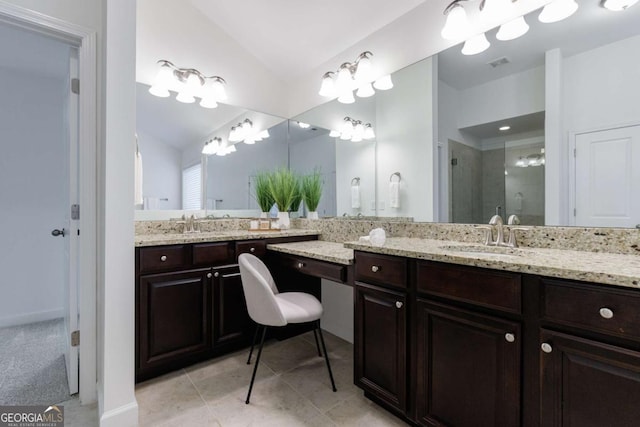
(297, 200)
(311, 193)
(263, 193)
(283, 185)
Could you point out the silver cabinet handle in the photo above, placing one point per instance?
(546, 347)
(399, 304)
(375, 268)
(300, 265)
(606, 313)
(209, 275)
(509, 337)
(216, 274)
(252, 250)
(163, 258)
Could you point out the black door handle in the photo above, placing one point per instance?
(57, 232)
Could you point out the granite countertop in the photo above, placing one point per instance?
(607, 268)
(216, 236)
(316, 249)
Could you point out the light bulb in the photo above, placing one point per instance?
(457, 23)
(475, 45)
(618, 5)
(383, 83)
(513, 29)
(328, 87)
(365, 91)
(162, 81)
(368, 132)
(347, 98)
(334, 134)
(363, 69)
(557, 11)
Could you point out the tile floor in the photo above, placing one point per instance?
(292, 389)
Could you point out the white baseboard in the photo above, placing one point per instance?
(36, 316)
(123, 416)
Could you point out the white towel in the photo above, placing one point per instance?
(355, 197)
(138, 179)
(394, 195)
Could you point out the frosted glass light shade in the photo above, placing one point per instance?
(475, 45)
(383, 83)
(618, 5)
(208, 98)
(513, 29)
(456, 25)
(162, 82)
(368, 132)
(185, 96)
(365, 91)
(557, 11)
(334, 134)
(328, 87)
(219, 90)
(159, 91)
(363, 70)
(344, 81)
(210, 147)
(347, 98)
(264, 134)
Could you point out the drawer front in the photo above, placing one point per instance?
(162, 258)
(207, 254)
(502, 291)
(381, 269)
(317, 268)
(254, 247)
(610, 311)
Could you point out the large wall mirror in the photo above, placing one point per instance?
(564, 94)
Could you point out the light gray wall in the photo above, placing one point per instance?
(161, 171)
(33, 182)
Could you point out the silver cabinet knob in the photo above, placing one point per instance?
(399, 304)
(546, 347)
(163, 258)
(509, 337)
(216, 274)
(606, 313)
(209, 275)
(300, 265)
(252, 250)
(375, 268)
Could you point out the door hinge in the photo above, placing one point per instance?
(75, 211)
(454, 162)
(75, 338)
(75, 86)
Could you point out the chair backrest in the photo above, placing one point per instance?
(259, 291)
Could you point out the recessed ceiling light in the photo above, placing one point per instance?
(503, 128)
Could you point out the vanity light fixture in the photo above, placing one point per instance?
(504, 128)
(212, 146)
(304, 125)
(618, 5)
(189, 83)
(557, 10)
(358, 76)
(353, 130)
(475, 45)
(245, 132)
(531, 160)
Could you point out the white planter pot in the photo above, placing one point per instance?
(283, 220)
(312, 215)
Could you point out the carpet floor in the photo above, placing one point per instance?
(32, 364)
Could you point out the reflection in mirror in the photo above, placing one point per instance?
(564, 88)
(351, 159)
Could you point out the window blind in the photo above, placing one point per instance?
(191, 187)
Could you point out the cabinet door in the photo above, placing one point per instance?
(380, 343)
(468, 368)
(230, 318)
(174, 317)
(588, 384)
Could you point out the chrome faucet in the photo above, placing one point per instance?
(359, 215)
(496, 221)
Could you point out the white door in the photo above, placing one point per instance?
(70, 115)
(607, 178)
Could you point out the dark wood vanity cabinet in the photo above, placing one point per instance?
(230, 320)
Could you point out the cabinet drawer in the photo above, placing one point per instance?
(312, 267)
(160, 258)
(471, 285)
(212, 254)
(610, 311)
(254, 247)
(381, 269)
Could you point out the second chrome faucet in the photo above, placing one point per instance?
(497, 223)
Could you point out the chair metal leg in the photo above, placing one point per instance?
(253, 343)
(315, 335)
(326, 356)
(255, 368)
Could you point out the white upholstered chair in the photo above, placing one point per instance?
(269, 308)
